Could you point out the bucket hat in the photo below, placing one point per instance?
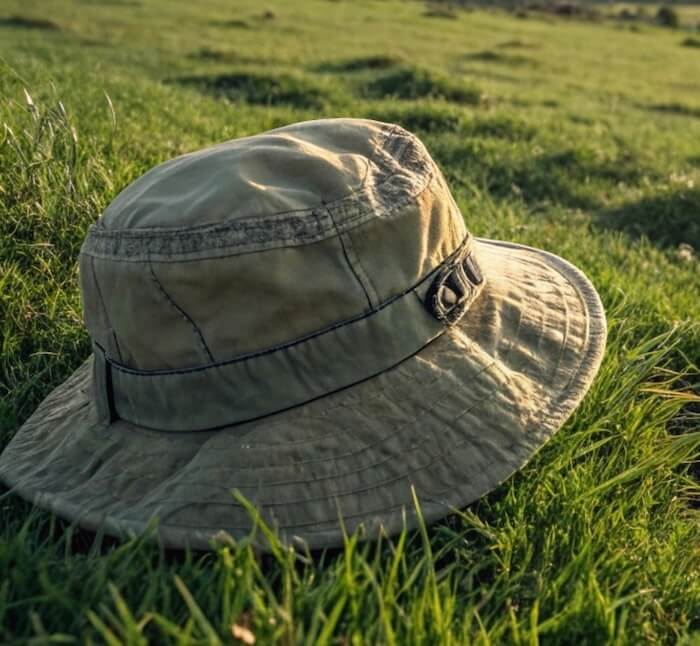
(302, 316)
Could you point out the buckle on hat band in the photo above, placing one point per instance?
(262, 383)
(454, 288)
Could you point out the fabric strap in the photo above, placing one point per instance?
(266, 382)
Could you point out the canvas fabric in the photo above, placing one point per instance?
(303, 316)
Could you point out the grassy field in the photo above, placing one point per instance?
(580, 138)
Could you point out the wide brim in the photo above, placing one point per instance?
(452, 422)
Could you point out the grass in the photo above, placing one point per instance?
(261, 89)
(590, 150)
(410, 82)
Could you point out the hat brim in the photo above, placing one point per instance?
(453, 421)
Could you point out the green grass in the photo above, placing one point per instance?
(581, 138)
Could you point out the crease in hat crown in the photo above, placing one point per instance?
(278, 241)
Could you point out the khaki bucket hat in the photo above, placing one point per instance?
(303, 317)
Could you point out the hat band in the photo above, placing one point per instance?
(266, 382)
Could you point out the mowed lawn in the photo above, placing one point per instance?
(580, 138)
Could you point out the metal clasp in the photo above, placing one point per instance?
(455, 287)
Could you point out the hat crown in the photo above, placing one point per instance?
(288, 170)
(257, 242)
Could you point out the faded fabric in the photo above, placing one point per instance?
(283, 315)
